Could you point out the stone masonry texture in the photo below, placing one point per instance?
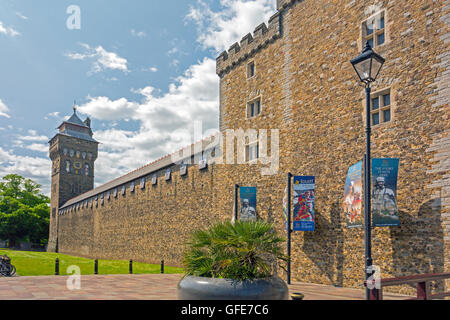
(309, 92)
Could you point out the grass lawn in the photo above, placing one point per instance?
(30, 263)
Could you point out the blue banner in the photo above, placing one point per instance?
(384, 192)
(247, 211)
(303, 215)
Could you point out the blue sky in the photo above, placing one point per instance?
(143, 70)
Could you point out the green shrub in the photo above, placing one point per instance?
(243, 251)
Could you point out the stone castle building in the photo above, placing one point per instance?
(291, 77)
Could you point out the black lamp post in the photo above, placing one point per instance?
(367, 65)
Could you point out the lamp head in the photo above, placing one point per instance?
(368, 64)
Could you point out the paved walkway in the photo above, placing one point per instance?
(139, 287)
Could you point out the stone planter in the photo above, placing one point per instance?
(201, 288)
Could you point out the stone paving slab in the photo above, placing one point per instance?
(140, 287)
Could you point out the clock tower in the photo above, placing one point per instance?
(73, 152)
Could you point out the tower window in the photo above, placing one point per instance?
(87, 169)
(68, 166)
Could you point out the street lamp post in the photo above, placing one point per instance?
(367, 65)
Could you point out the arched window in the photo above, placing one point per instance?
(87, 169)
(68, 166)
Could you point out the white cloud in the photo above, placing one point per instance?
(33, 136)
(53, 115)
(9, 31)
(102, 59)
(4, 109)
(172, 51)
(218, 30)
(165, 121)
(105, 109)
(139, 34)
(151, 69)
(39, 147)
(174, 63)
(35, 168)
(57, 116)
(21, 16)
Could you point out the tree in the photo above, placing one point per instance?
(24, 190)
(24, 211)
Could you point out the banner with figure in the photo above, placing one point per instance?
(384, 192)
(353, 196)
(247, 211)
(304, 216)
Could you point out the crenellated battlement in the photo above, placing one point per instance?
(250, 44)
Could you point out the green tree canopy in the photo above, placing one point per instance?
(24, 190)
(24, 211)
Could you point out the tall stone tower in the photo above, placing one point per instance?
(73, 152)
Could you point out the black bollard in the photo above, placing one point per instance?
(162, 266)
(96, 267)
(57, 267)
(131, 266)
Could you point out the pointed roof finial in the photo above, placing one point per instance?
(74, 106)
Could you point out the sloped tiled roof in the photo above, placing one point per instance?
(74, 119)
(77, 134)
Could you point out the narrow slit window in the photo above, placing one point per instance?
(250, 69)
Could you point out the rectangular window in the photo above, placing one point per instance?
(381, 22)
(375, 118)
(374, 31)
(375, 104)
(253, 108)
(250, 69)
(387, 115)
(252, 152)
(380, 39)
(387, 100)
(381, 107)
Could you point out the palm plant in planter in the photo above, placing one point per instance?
(233, 261)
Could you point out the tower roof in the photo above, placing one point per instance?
(75, 127)
(74, 119)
